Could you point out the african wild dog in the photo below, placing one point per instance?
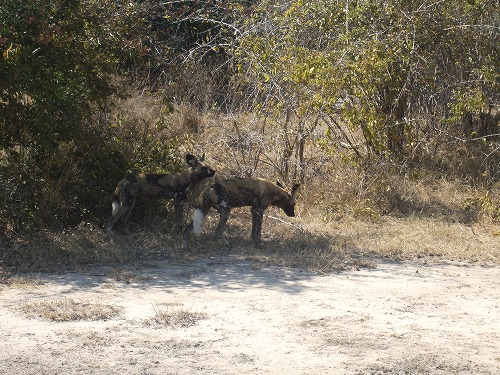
(238, 192)
(174, 186)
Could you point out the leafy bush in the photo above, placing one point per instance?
(395, 73)
(57, 69)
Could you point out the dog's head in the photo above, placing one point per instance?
(287, 200)
(198, 167)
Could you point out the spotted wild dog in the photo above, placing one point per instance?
(175, 186)
(257, 193)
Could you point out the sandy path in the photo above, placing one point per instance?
(395, 319)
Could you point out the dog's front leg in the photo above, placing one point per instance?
(130, 205)
(257, 217)
(178, 214)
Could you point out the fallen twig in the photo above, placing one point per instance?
(285, 222)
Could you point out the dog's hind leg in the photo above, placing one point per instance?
(224, 216)
(118, 212)
(186, 234)
(126, 214)
(178, 214)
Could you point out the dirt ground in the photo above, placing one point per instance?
(236, 318)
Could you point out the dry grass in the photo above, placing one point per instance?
(127, 277)
(349, 243)
(309, 241)
(410, 238)
(19, 282)
(423, 364)
(173, 316)
(67, 309)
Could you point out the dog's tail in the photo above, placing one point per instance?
(205, 202)
(116, 203)
(198, 217)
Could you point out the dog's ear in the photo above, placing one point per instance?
(191, 160)
(202, 157)
(295, 188)
(279, 184)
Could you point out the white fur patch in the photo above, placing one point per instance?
(115, 206)
(197, 221)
